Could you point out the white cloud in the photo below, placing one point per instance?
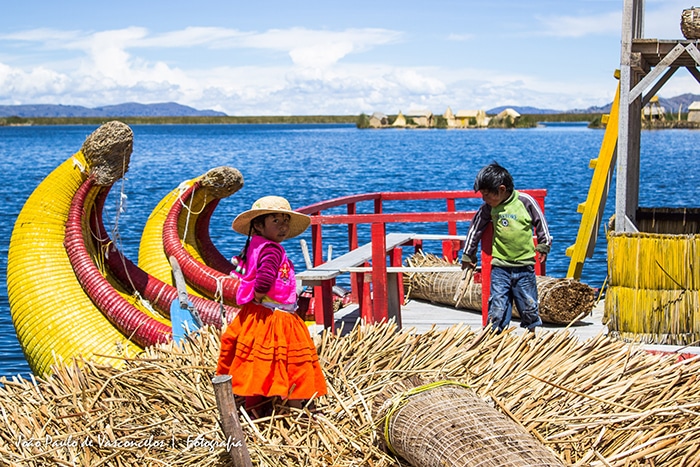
(134, 64)
(109, 70)
(43, 35)
(580, 26)
(213, 37)
(309, 48)
(662, 19)
(41, 82)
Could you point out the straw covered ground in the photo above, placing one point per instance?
(597, 402)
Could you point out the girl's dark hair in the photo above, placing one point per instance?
(256, 220)
(491, 177)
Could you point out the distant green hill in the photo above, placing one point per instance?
(129, 109)
(214, 120)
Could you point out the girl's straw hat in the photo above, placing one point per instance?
(271, 205)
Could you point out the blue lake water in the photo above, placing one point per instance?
(310, 163)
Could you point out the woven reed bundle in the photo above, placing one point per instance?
(595, 403)
(561, 301)
(222, 182)
(439, 287)
(108, 151)
(690, 23)
(445, 423)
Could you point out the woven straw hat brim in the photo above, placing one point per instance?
(298, 222)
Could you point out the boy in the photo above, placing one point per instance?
(513, 215)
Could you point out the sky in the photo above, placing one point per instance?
(323, 57)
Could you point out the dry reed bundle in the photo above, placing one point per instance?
(562, 301)
(654, 287)
(444, 423)
(690, 23)
(107, 151)
(222, 181)
(596, 403)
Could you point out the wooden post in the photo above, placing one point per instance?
(317, 254)
(379, 286)
(353, 243)
(627, 183)
(327, 304)
(235, 440)
(451, 248)
(486, 249)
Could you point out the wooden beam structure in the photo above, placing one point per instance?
(645, 67)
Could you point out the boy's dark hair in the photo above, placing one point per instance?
(491, 177)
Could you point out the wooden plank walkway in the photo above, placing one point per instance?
(423, 316)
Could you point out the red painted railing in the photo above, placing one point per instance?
(378, 220)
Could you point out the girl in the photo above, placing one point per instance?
(267, 348)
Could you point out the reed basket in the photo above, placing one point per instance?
(690, 23)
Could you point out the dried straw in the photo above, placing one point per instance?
(654, 287)
(690, 23)
(108, 151)
(222, 182)
(596, 403)
(561, 301)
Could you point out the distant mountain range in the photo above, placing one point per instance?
(129, 109)
(172, 109)
(670, 105)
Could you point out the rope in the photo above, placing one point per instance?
(399, 400)
(189, 214)
(76, 163)
(219, 293)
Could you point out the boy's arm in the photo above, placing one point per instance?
(539, 223)
(476, 229)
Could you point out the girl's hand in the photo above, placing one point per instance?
(258, 297)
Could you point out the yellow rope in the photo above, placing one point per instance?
(398, 401)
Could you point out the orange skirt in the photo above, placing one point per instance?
(270, 353)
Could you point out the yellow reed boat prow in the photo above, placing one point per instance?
(72, 293)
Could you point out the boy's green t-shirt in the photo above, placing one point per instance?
(512, 239)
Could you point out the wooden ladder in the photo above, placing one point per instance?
(592, 209)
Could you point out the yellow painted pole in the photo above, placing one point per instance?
(592, 209)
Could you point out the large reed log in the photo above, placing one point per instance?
(561, 301)
(445, 423)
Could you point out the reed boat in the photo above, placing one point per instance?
(179, 227)
(71, 291)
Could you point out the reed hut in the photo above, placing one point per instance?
(471, 118)
(378, 120)
(694, 112)
(400, 120)
(421, 118)
(449, 117)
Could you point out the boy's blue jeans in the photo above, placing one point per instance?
(509, 285)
